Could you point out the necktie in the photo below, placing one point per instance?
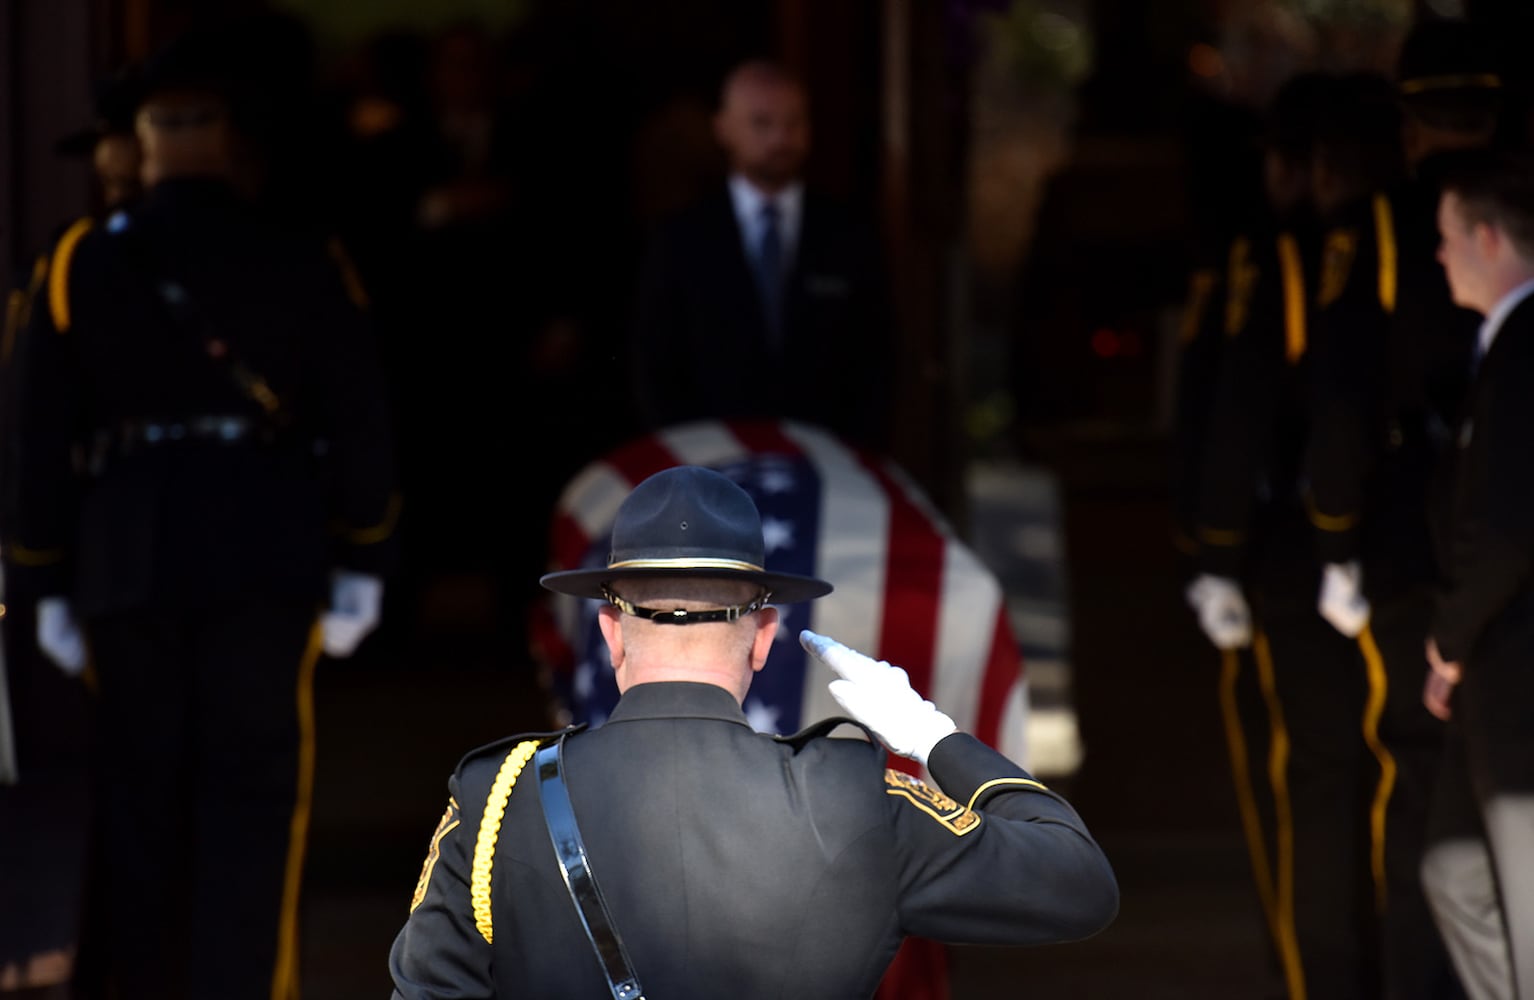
(769, 271)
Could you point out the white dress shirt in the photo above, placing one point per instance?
(749, 201)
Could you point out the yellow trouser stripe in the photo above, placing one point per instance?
(285, 975)
(1278, 768)
(1251, 824)
(1379, 687)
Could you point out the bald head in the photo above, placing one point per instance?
(763, 124)
(725, 654)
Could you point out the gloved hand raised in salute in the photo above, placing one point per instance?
(881, 697)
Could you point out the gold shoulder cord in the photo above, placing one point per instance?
(1385, 237)
(58, 275)
(1294, 297)
(489, 829)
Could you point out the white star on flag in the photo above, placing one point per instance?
(762, 717)
(585, 679)
(775, 480)
(777, 534)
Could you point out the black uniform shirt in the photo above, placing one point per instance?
(743, 865)
(201, 413)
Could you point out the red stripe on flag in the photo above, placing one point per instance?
(1003, 668)
(642, 458)
(763, 437)
(913, 584)
(569, 542)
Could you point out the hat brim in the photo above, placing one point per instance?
(785, 588)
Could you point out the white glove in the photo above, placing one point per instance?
(880, 696)
(59, 635)
(1222, 610)
(356, 603)
(1342, 601)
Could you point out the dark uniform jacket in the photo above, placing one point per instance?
(200, 413)
(1249, 512)
(1391, 366)
(699, 346)
(738, 864)
(1485, 609)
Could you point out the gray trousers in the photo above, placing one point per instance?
(1478, 871)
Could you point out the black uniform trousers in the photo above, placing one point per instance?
(1295, 707)
(204, 766)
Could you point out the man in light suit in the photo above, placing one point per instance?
(1476, 872)
(764, 298)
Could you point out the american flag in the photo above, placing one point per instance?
(908, 590)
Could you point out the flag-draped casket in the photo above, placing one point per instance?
(908, 590)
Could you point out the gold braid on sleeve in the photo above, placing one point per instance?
(489, 829)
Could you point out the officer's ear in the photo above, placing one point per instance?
(766, 621)
(608, 620)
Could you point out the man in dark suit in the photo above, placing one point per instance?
(1477, 872)
(765, 298)
(732, 863)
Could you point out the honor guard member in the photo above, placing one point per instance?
(675, 852)
(204, 463)
(1295, 717)
(1391, 369)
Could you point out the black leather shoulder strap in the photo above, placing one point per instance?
(565, 833)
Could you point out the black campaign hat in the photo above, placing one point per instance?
(687, 521)
(1448, 55)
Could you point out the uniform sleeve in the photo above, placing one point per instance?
(1197, 362)
(1239, 426)
(995, 857)
(1492, 546)
(42, 427)
(1347, 366)
(440, 953)
(358, 423)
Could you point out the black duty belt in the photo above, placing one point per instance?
(565, 833)
(130, 434)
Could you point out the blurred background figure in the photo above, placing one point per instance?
(1392, 354)
(766, 298)
(45, 798)
(1302, 698)
(1481, 832)
(205, 503)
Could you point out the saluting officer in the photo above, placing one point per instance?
(732, 863)
(203, 461)
(1391, 370)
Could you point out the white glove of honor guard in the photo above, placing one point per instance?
(880, 696)
(1342, 601)
(1222, 610)
(356, 603)
(59, 635)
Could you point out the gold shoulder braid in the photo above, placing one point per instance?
(1241, 277)
(1385, 237)
(489, 829)
(1336, 262)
